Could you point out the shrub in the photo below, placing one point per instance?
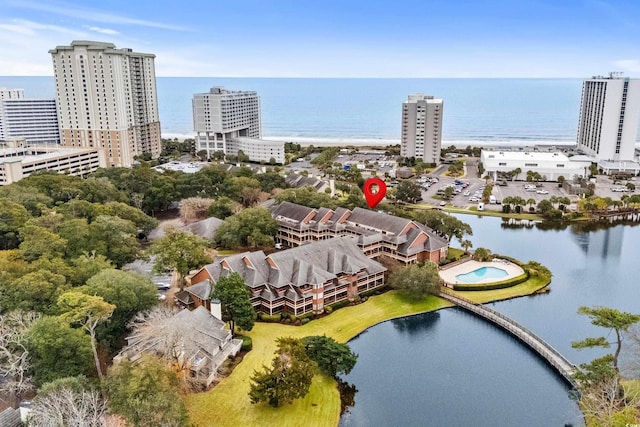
(275, 318)
(247, 343)
(492, 286)
(339, 304)
(305, 320)
(328, 309)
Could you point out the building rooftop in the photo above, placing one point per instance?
(31, 154)
(525, 155)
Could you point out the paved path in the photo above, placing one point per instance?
(565, 368)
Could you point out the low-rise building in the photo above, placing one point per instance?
(377, 233)
(204, 343)
(549, 165)
(296, 281)
(19, 162)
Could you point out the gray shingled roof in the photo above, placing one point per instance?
(205, 228)
(313, 263)
(337, 255)
(378, 220)
(202, 290)
(10, 418)
(291, 210)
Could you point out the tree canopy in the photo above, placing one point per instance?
(288, 378)
(416, 280)
(145, 393)
(87, 311)
(443, 223)
(609, 318)
(408, 192)
(130, 293)
(235, 299)
(180, 251)
(57, 350)
(252, 227)
(332, 357)
(70, 401)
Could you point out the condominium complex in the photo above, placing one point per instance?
(377, 233)
(300, 280)
(106, 98)
(422, 128)
(609, 114)
(229, 121)
(34, 120)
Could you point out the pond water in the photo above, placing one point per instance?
(450, 368)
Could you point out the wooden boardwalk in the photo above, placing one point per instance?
(560, 363)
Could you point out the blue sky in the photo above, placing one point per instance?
(336, 38)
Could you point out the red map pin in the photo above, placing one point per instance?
(374, 191)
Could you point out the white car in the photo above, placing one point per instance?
(473, 199)
(467, 193)
(542, 192)
(443, 203)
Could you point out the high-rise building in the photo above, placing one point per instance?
(229, 121)
(106, 98)
(609, 114)
(34, 120)
(221, 114)
(422, 128)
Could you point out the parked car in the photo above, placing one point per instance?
(542, 192)
(443, 203)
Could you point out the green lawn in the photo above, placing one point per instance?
(473, 210)
(228, 404)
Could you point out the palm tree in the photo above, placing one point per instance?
(516, 172)
(531, 202)
(519, 201)
(466, 245)
(554, 200)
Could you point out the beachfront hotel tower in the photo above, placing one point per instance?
(33, 120)
(421, 135)
(609, 114)
(220, 115)
(106, 98)
(229, 121)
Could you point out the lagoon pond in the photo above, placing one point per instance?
(449, 368)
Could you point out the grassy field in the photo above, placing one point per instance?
(228, 404)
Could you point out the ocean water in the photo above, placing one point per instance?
(368, 110)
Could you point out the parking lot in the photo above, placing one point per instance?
(605, 187)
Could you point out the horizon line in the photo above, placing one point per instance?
(339, 77)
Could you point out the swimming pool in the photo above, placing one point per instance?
(482, 273)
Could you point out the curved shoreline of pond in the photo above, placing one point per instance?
(229, 399)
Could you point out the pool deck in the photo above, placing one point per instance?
(449, 274)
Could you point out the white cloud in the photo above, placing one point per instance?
(74, 11)
(630, 65)
(100, 30)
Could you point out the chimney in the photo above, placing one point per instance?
(216, 309)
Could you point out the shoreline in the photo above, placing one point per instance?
(383, 142)
(229, 397)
